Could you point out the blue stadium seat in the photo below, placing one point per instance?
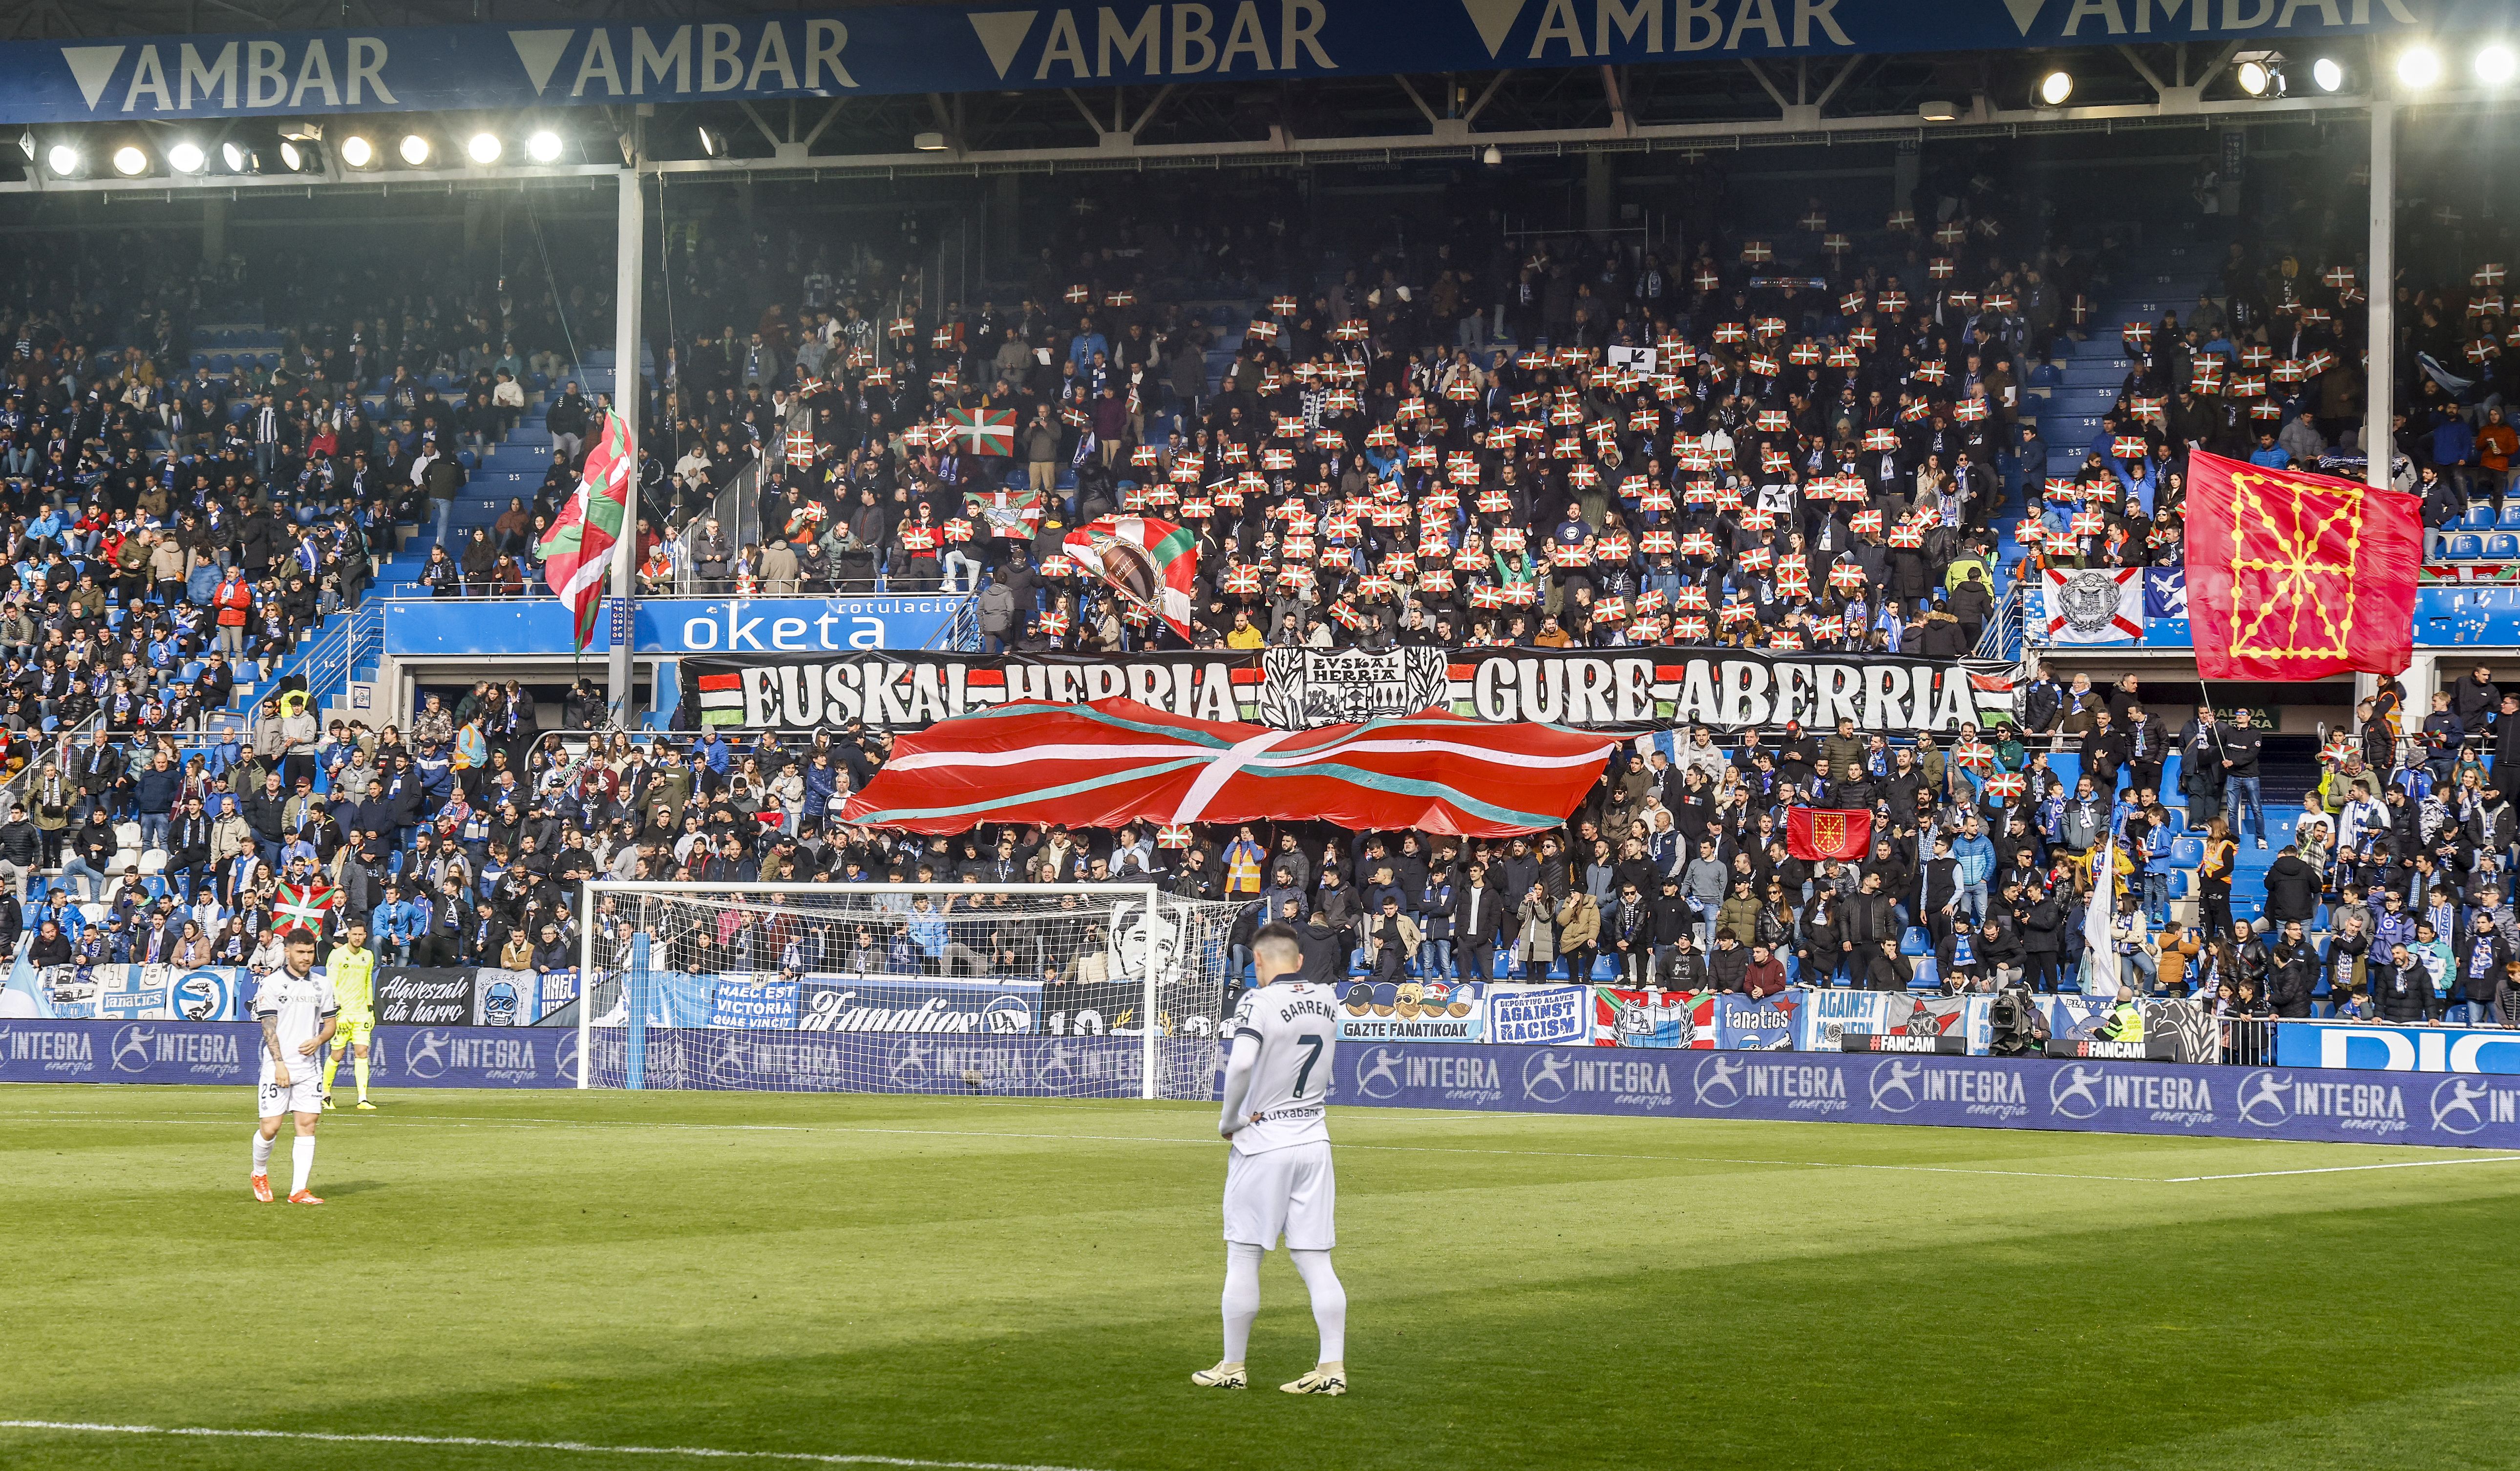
(2511, 521)
(2479, 517)
(1928, 975)
(2466, 546)
(2502, 545)
(2187, 852)
(270, 360)
(2178, 883)
(222, 363)
(1914, 942)
(201, 360)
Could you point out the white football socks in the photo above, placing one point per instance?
(261, 1153)
(1242, 1297)
(1329, 1302)
(301, 1163)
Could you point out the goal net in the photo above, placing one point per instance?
(1099, 991)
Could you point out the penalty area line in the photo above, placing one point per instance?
(798, 1457)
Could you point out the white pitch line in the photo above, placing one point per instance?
(2404, 1164)
(577, 1446)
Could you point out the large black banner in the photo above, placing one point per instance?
(424, 996)
(1293, 689)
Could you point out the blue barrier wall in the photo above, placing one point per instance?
(155, 1052)
(2466, 1110)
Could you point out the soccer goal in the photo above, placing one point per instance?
(1099, 991)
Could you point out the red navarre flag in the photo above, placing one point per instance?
(2293, 576)
(1816, 832)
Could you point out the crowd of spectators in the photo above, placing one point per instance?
(1447, 441)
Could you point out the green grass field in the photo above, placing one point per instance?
(965, 1280)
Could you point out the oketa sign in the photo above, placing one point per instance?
(430, 627)
(881, 50)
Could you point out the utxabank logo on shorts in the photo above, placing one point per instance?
(131, 1049)
(1894, 1084)
(2261, 1100)
(1377, 1072)
(425, 1054)
(1544, 1077)
(2073, 1090)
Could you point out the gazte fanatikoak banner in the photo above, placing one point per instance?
(1297, 689)
(897, 49)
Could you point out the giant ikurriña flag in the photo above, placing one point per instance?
(1117, 761)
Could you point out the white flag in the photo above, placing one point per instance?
(2100, 962)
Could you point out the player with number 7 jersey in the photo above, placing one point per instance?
(1279, 1182)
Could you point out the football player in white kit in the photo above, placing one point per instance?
(298, 1014)
(1278, 1180)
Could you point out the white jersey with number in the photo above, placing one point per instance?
(1296, 1025)
(297, 1004)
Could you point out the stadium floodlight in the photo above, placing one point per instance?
(1938, 111)
(2260, 74)
(27, 144)
(292, 156)
(483, 147)
(187, 158)
(2055, 87)
(129, 161)
(2418, 68)
(236, 157)
(1493, 157)
(358, 153)
(2495, 64)
(928, 143)
(413, 150)
(2328, 73)
(63, 160)
(712, 143)
(543, 147)
(1140, 1022)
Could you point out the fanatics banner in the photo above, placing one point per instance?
(1297, 689)
(2293, 576)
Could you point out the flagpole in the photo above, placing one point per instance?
(2380, 333)
(626, 402)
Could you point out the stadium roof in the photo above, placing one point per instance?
(912, 88)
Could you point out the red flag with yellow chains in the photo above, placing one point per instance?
(2294, 576)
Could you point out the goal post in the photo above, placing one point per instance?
(1111, 989)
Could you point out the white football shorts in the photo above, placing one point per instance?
(1288, 1192)
(303, 1095)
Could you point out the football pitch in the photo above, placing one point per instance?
(836, 1279)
